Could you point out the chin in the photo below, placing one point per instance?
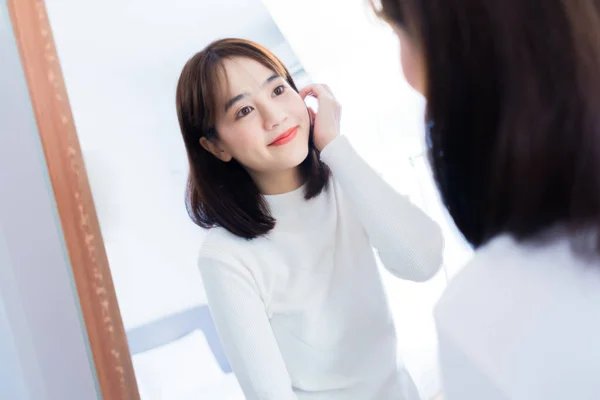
(296, 156)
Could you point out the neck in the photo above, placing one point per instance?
(280, 182)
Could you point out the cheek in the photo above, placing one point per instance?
(408, 65)
(299, 110)
(240, 141)
(411, 63)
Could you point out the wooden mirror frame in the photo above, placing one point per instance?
(85, 247)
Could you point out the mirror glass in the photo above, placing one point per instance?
(121, 61)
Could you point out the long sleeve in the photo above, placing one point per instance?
(245, 331)
(410, 244)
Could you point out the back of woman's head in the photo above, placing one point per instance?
(513, 111)
(223, 193)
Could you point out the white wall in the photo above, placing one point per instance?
(43, 346)
(12, 379)
(121, 61)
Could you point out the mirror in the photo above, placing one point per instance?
(121, 62)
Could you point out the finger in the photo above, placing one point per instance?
(315, 90)
(328, 89)
(306, 91)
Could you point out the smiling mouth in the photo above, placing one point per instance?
(285, 137)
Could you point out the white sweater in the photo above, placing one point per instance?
(522, 322)
(302, 313)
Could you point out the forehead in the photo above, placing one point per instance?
(241, 74)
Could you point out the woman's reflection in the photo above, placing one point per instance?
(294, 213)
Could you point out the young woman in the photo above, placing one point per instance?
(294, 214)
(513, 94)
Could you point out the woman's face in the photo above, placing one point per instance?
(260, 120)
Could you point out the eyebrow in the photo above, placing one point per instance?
(237, 98)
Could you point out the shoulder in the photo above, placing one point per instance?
(516, 305)
(225, 251)
(222, 245)
(222, 249)
(224, 257)
(505, 272)
(482, 292)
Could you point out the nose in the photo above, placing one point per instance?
(274, 116)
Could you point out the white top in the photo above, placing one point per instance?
(522, 322)
(302, 313)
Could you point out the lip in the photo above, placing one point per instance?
(285, 137)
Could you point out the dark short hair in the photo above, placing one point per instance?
(223, 193)
(513, 111)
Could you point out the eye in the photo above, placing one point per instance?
(244, 111)
(279, 90)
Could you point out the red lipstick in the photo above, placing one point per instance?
(285, 137)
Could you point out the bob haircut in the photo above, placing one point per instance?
(222, 193)
(513, 111)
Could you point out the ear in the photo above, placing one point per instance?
(215, 148)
